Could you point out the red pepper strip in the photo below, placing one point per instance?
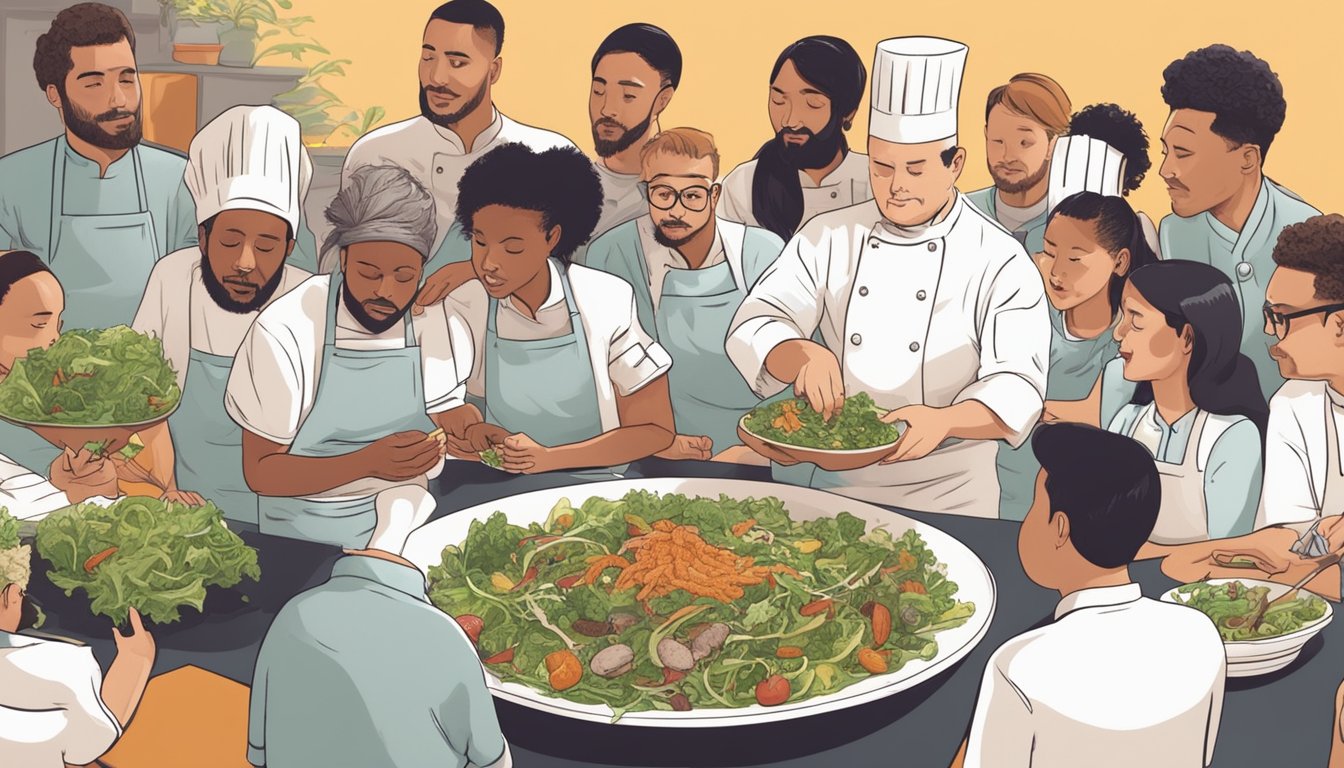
(671, 676)
(815, 607)
(503, 657)
(570, 582)
(93, 561)
(531, 575)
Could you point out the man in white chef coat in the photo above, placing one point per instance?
(636, 71)
(56, 706)
(921, 301)
(1116, 679)
(1226, 108)
(459, 65)
(248, 173)
(362, 670)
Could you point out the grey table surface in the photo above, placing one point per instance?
(1277, 720)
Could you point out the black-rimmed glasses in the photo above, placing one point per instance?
(1278, 321)
(665, 197)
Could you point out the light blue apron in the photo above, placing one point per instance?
(362, 396)
(102, 260)
(544, 388)
(207, 442)
(709, 396)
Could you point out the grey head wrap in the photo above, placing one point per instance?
(380, 203)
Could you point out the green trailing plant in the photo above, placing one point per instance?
(320, 112)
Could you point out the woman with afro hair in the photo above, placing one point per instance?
(558, 372)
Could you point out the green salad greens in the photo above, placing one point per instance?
(9, 530)
(793, 422)
(1222, 602)
(675, 603)
(490, 457)
(92, 378)
(154, 555)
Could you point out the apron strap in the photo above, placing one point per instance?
(333, 295)
(57, 193)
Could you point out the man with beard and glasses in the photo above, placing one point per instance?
(1022, 121)
(690, 271)
(917, 299)
(458, 123)
(636, 71)
(94, 203)
(1226, 108)
(248, 173)
(333, 381)
(807, 168)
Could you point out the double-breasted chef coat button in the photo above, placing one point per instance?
(439, 169)
(933, 247)
(874, 242)
(921, 295)
(863, 290)
(1244, 269)
(856, 339)
(914, 346)
(834, 195)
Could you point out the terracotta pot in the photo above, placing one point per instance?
(189, 53)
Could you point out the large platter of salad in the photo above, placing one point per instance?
(702, 602)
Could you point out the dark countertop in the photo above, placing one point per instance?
(1267, 721)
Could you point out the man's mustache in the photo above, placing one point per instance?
(1176, 184)
(382, 304)
(442, 90)
(673, 224)
(804, 132)
(1011, 167)
(240, 281)
(608, 122)
(115, 114)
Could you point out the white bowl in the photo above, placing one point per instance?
(1250, 658)
(974, 581)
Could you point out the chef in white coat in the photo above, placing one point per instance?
(807, 167)
(458, 122)
(921, 301)
(248, 173)
(56, 706)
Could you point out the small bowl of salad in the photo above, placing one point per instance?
(853, 438)
(1260, 635)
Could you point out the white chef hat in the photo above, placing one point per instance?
(1084, 164)
(916, 86)
(400, 510)
(249, 158)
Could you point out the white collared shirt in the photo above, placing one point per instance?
(1117, 680)
(51, 708)
(1296, 454)
(848, 184)
(661, 258)
(623, 198)
(29, 496)
(437, 158)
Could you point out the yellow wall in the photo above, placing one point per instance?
(730, 45)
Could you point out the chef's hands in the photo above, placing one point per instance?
(523, 455)
(484, 436)
(82, 476)
(1332, 528)
(401, 456)
(139, 644)
(819, 379)
(441, 283)
(189, 498)
(688, 448)
(926, 429)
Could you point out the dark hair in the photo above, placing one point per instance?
(1121, 129)
(16, 265)
(209, 225)
(481, 15)
(1118, 228)
(1316, 246)
(78, 26)
(1106, 483)
(559, 183)
(650, 43)
(1222, 380)
(833, 67)
(1241, 91)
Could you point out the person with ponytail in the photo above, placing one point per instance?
(1197, 405)
(1121, 129)
(807, 168)
(1092, 243)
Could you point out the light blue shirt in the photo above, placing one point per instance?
(363, 671)
(1232, 477)
(1031, 234)
(25, 195)
(1246, 258)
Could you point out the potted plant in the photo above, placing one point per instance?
(195, 33)
(243, 21)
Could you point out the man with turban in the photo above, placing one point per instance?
(333, 383)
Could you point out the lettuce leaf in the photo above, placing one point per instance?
(9, 530)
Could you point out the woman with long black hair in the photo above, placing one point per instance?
(807, 168)
(1197, 405)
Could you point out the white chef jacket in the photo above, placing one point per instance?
(624, 357)
(184, 322)
(953, 312)
(1296, 453)
(51, 711)
(847, 185)
(436, 157)
(275, 374)
(1117, 680)
(30, 496)
(623, 198)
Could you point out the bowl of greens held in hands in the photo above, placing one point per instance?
(1263, 627)
(855, 436)
(91, 385)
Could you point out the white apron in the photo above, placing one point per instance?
(1332, 498)
(1184, 516)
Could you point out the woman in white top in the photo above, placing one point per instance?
(1197, 406)
(559, 373)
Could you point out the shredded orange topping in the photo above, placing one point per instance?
(674, 557)
(788, 420)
